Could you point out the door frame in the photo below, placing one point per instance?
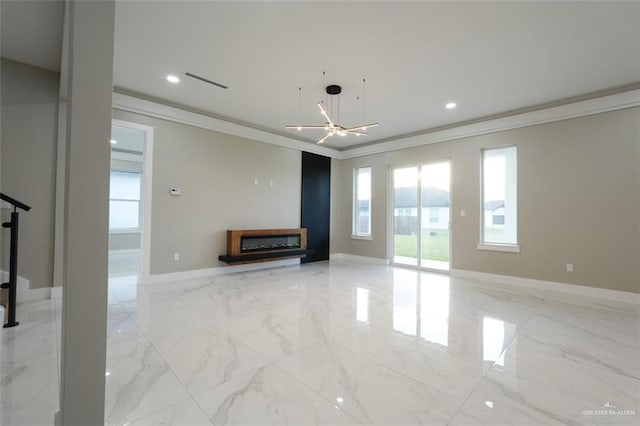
(145, 202)
(391, 216)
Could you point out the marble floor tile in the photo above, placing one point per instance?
(617, 324)
(29, 367)
(205, 356)
(124, 262)
(119, 321)
(138, 381)
(587, 348)
(314, 322)
(29, 392)
(339, 343)
(428, 363)
(530, 359)
(271, 334)
(123, 288)
(184, 413)
(507, 399)
(269, 397)
(512, 305)
(34, 339)
(371, 393)
(583, 302)
(158, 315)
(210, 303)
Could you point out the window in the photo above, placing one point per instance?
(499, 199)
(124, 201)
(434, 215)
(362, 202)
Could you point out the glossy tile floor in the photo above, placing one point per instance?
(29, 365)
(339, 343)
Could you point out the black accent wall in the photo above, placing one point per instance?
(316, 203)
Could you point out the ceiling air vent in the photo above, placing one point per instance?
(206, 80)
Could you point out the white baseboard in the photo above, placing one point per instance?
(221, 270)
(579, 290)
(33, 295)
(25, 293)
(360, 259)
(56, 292)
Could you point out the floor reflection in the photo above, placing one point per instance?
(421, 305)
(434, 309)
(493, 340)
(362, 304)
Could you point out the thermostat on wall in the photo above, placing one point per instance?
(174, 191)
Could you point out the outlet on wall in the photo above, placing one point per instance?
(569, 267)
(176, 256)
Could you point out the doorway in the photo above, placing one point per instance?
(422, 216)
(129, 199)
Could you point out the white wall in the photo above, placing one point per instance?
(29, 140)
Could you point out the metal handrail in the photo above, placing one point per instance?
(16, 203)
(11, 285)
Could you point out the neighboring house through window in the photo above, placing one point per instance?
(499, 197)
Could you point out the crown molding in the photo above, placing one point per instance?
(547, 115)
(154, 109)
(568, 111)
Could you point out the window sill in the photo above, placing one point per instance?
(511, 248)
(361, 237)
(124, 231)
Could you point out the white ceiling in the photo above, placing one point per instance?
(489, 57)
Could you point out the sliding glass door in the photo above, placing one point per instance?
(405, 216)
(421, 216)
(435, 216)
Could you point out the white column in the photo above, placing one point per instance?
(84, 304)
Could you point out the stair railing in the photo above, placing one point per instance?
(11, 285)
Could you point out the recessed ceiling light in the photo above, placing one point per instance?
(113, 141)
(451, 105)
(173, 79)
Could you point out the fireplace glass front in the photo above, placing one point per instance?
(269, 242)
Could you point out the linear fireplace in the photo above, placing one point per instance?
(250, 244)
(261, 245)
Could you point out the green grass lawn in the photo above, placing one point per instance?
(434, 247)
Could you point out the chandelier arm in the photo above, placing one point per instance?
(362, 127)
(325, 138)
(326, 116)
